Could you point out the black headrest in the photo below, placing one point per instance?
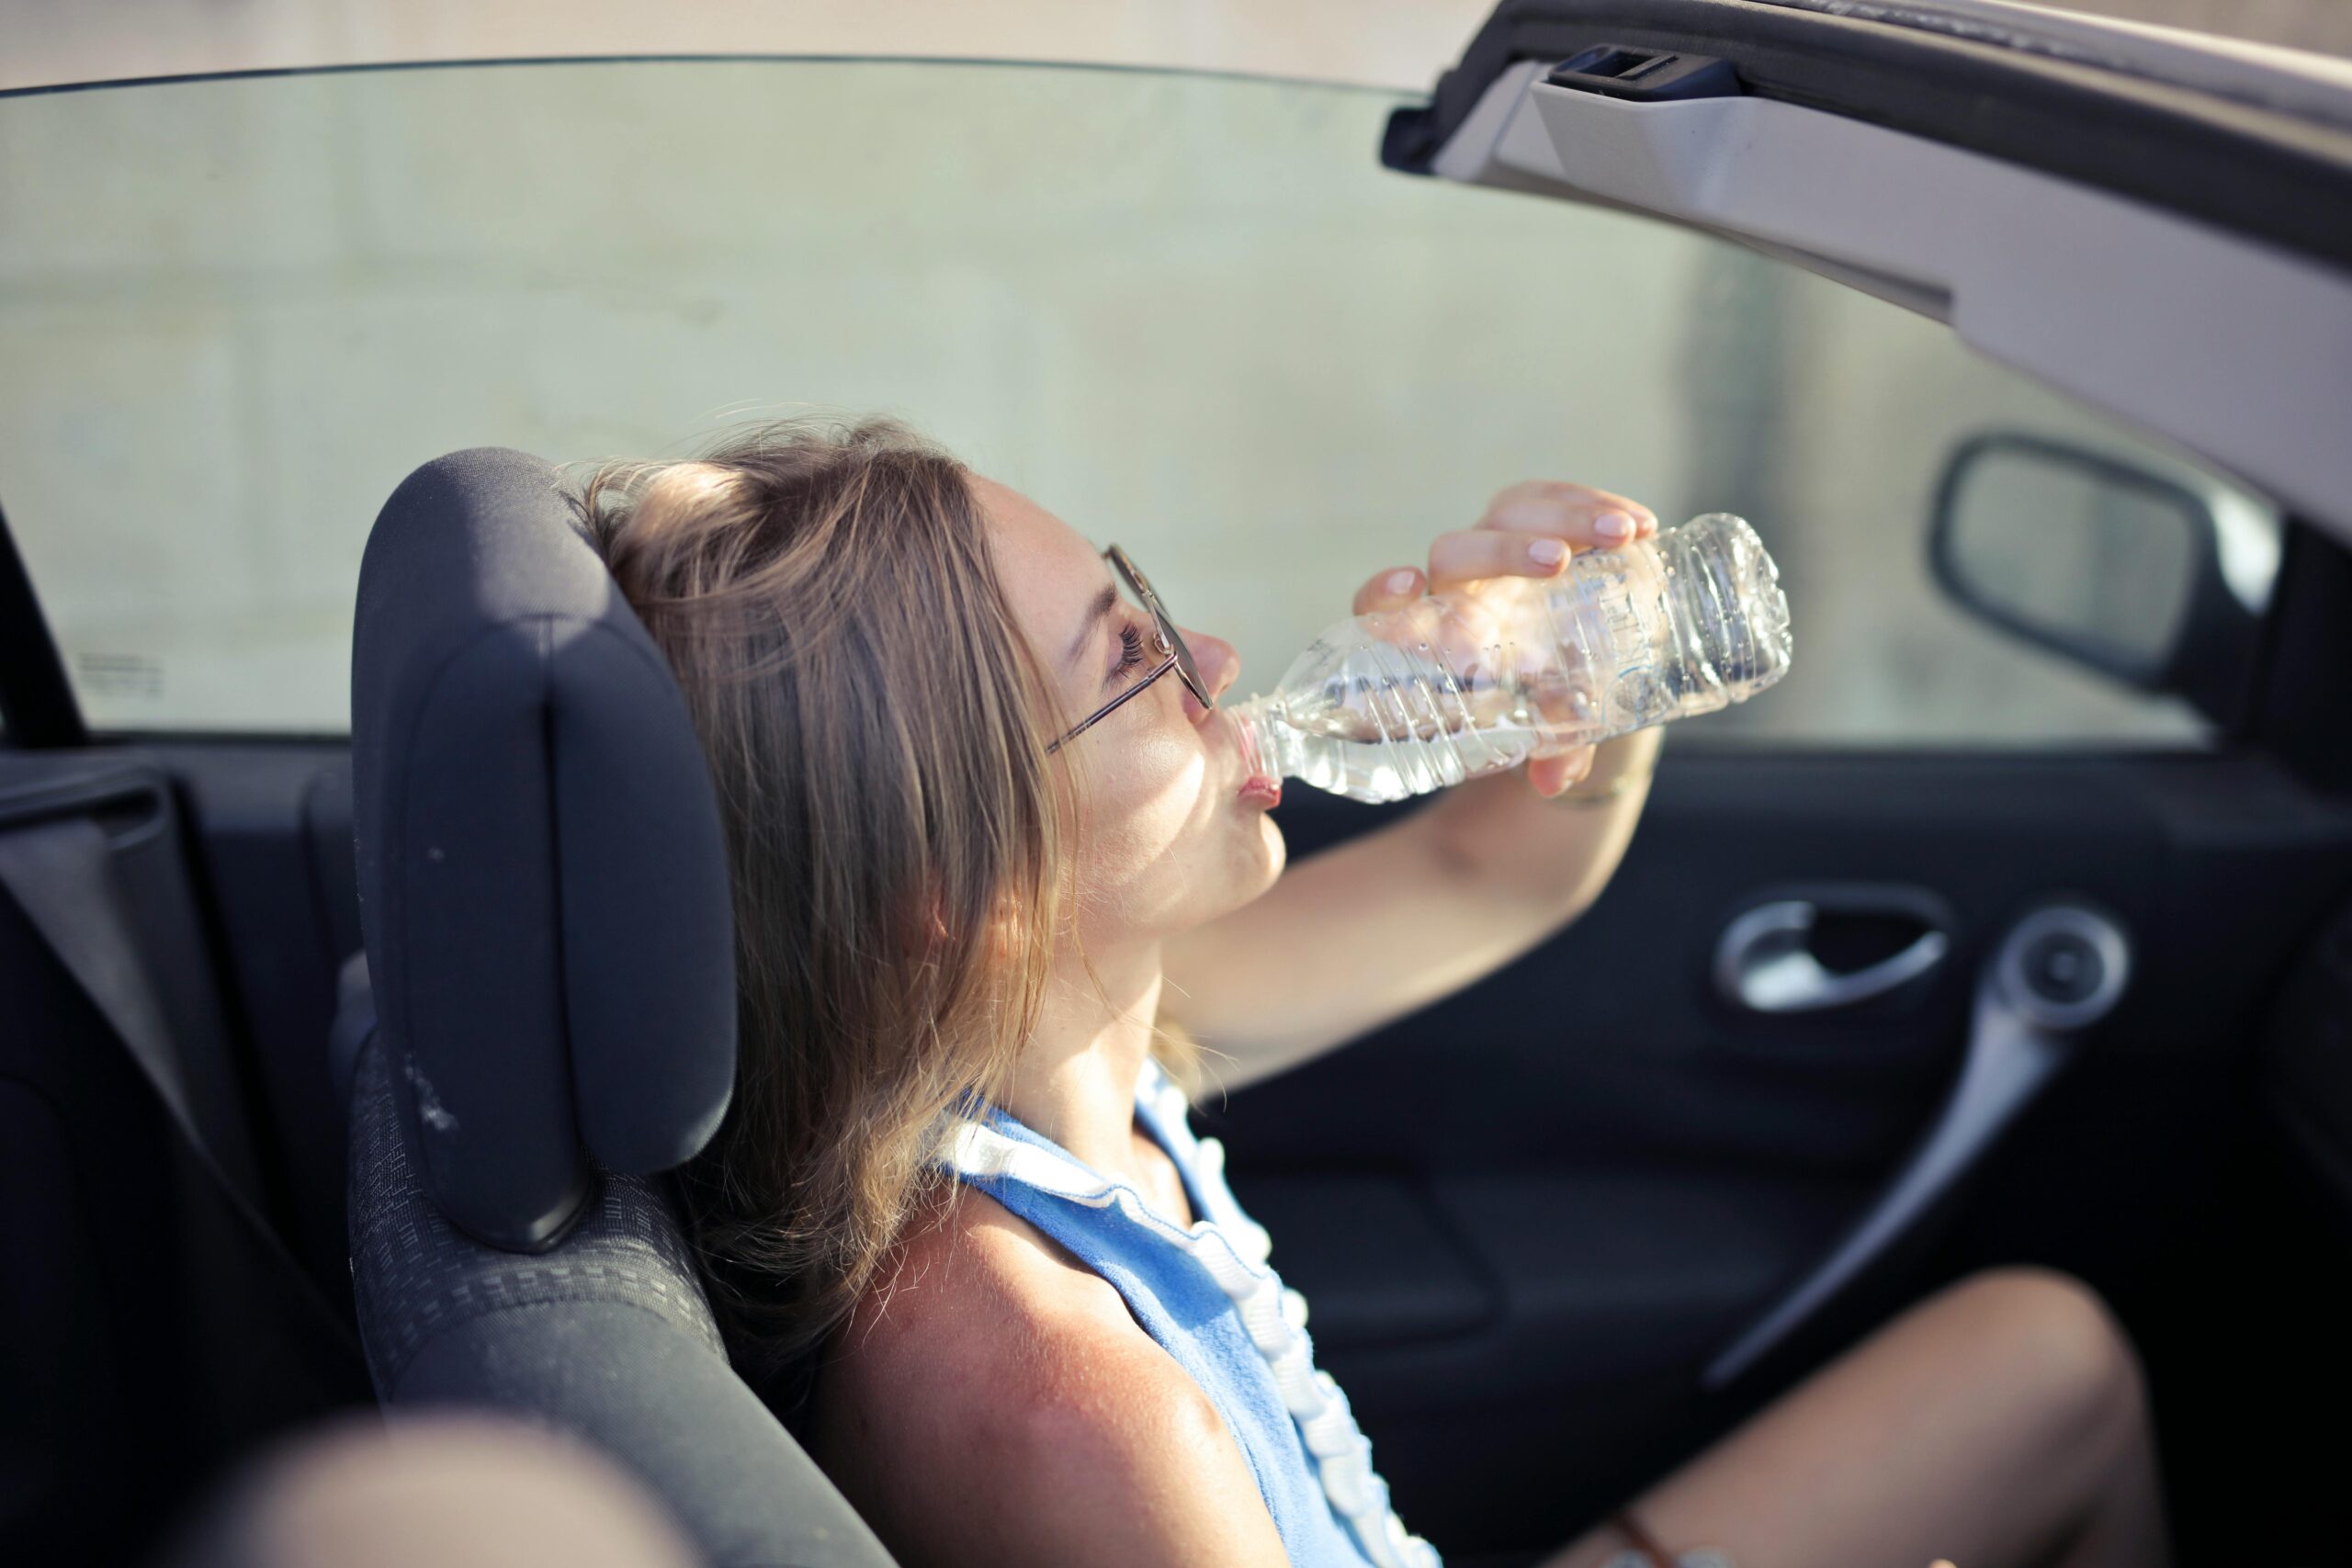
(543, 884)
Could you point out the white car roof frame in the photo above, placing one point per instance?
(2114, 224)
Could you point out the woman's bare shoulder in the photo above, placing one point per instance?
(971, 1287)
(994, 1400)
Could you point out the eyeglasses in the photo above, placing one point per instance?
(1170, 646)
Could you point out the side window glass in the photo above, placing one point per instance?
(1187, 312)
(1835, 415)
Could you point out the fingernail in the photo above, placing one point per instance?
(1547, 552)
(1398, 581)
(1613, 525)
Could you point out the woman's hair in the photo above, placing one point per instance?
(898, 840)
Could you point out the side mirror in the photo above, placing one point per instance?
(2119, 569)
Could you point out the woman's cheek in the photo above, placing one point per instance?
(1155, 791)
(1171, 755)
(1172, 846)
(1140, 821)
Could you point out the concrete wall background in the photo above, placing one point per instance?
(1189, 314)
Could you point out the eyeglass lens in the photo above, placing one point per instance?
(1141, 587)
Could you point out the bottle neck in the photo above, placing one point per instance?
(1269, 746)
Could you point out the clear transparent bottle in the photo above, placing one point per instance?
(1401, 702)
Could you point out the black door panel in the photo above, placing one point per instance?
(1631, 1167)
(273, 831)
(1610, 1043)
(156, 1332)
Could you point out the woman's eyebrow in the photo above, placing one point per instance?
(1095, 612)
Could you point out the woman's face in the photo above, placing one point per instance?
(1170, 841)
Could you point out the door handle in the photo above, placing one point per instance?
(1764, 961)
(2059, 970)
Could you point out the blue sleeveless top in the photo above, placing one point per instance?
(1207, 1297)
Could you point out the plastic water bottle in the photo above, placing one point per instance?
(1401, 702)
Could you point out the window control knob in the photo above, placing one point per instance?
(2063, 966)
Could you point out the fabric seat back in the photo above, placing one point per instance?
(544, 901)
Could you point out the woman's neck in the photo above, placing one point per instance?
(1076, 1080)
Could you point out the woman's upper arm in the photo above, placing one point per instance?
(1133, 1465)
(1065, 1436)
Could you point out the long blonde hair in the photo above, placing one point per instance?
(901, 844)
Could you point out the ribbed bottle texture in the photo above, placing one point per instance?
(1401, 702)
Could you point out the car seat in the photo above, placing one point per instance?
(543, 1020)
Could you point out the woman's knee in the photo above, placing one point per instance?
(2057, 1341)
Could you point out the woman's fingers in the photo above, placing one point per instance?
(1398, 585)
(1530, 530)
(1467, 554)
(1550, 775)
(1569, 511)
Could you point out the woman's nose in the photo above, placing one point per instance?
(1218, 664)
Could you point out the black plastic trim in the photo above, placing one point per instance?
(2263, 172)
(36, 699)
(2304, 677)
(1645, 75)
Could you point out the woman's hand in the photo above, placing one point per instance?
(1530, 530)
(1360, 934)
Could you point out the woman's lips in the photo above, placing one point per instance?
(1257, 788)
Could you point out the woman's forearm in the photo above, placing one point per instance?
(1553, 851)
(1366, 931)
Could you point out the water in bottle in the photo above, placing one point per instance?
(1482, 678)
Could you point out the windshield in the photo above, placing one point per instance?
(1191, 314)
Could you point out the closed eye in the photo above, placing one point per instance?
(1130, 656)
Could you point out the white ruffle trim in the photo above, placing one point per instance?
(1233, 1248)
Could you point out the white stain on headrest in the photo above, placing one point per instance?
(429, 1108)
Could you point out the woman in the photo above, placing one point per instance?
(985, 853)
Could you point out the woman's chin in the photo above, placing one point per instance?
(1275, 847)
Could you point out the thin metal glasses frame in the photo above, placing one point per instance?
(1174, 654)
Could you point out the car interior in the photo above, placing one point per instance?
(341, 1072)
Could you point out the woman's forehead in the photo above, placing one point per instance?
(1033, 540)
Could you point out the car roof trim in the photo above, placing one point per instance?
(2271, 76)
(2281, 177)
(2015, 260)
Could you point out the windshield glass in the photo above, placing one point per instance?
(1191, 314)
